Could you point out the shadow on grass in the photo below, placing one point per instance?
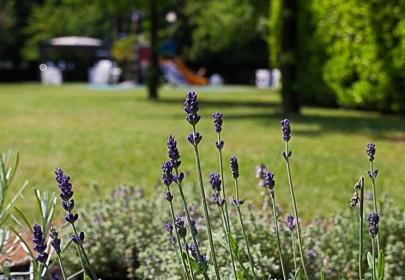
(363, 123)
(206, 103)
(376, 125)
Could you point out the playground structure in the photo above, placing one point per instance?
(177, 73)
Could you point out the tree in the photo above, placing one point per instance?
(288, 56)
(153, 75)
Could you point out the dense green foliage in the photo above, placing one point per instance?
(350, 52)
(330, 244)
(118, 136)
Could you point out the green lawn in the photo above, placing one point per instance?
(117, 137)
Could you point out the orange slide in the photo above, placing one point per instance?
(191, 77)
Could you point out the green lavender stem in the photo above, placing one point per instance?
(361, 229)
(61, 267)
(373, 253)
(178, 240)
(188, 259)
(207, 217)
(183, 198)
(80, 245)
(243, 229)
(293, 248)
(294, 203)
(278, 235)
(226, 216)
(374, 200)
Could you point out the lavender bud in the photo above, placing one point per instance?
(290, 221)
(173, 152)
(194, 139)
(55, 277)
(55, 242)
(78, 239)
(168, 196)
(191, 107)
(178, 179)
(217, 116)
(268, 180)
(215, 182)
(234, 167)
(371, 151)
(372, 175)
(169, 227)
(237, 203)
(355, 200)
(286, 130)
(219, 144)
(40, 245)
(167, 173)
(373, 220)
(181, 229)
(71, 218)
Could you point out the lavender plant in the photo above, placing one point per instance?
(68, 205)
(358, 199)
(191, 107)
(372, 173)
(178, 177)
(218, 121)
(373, 220)
(286, 130)
(167, 179)
(269, 183)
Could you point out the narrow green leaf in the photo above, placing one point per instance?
(23, 218)
(298, 275)
(234, 246)
(86, 277)
(322, 275)
(370, 260)
(381, 266)
(240, 275)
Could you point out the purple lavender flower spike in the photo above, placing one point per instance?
(167, 173)
(234, 167)
(55, 277)
(168, 196)
(173, 151)
(191, 107)
(373, 220)
(55, 242)
(66, 195)
(285, 128)
(290, 221)
(371, 151)
(40, 245)
(217, 116)
(215, 182)
(194, 139)
(78, 239)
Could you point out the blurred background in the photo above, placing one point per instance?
(96, 86)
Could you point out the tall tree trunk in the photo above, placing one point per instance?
(153, 75)
(288, 56)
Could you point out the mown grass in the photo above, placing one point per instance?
(114, 137)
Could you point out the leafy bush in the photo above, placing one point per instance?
(132, 244)
(350, 52)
